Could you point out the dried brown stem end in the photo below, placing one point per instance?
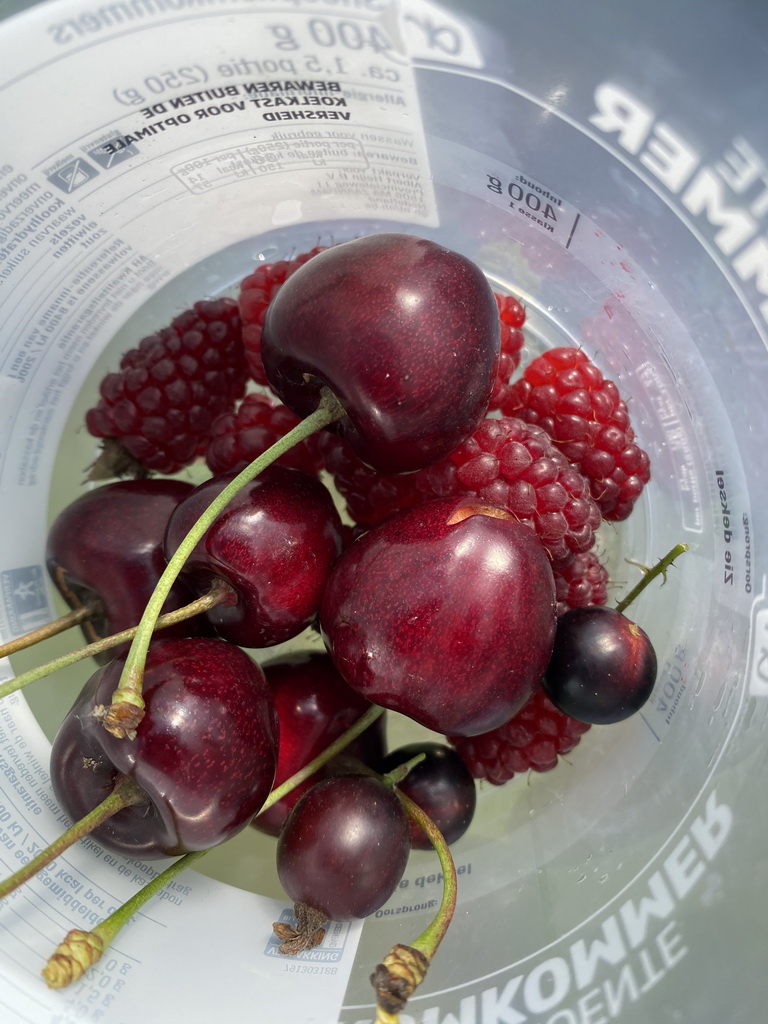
(121, 719)
(72, 958)
(396, 978)
(479, 510)
(309, 931)
(116, 461)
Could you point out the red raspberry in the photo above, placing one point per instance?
(256, 292)
(161, 404)
(532, 740)
(237, 438)
(583, 582)
(512, 318)
(506, 463)
(567, 395)
(514, 465)
(370, 497)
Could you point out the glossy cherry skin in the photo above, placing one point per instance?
(205, 752)
(404, 332)
(603, 666)
(108, 545)
(441, 785)
(448, 622)
(275, 544)
(344, 847)
(314, 707)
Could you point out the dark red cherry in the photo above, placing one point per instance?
(205, 752)
(441, 785)
(404, 332)
(274, 544)
(344, 846)
(107, 545)
(443, 613)
(314, 707)
(603, 666)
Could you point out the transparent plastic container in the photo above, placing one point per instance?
(609, 165)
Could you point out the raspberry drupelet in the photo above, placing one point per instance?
(156, 412)
(566, 394)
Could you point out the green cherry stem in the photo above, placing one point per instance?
(80, 950)
(217, 595)
(660, 569)
(403, 969)
(339, 744)
(127, 706)
(125, 794)
(60, 625)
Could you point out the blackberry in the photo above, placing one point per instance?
(566, 394)
(156, 412)
(533, 740)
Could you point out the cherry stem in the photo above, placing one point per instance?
(326, 755)
(218, 594)
(649, 574)
(127, 706)
(125, 794)
(80, 950)
(429, 940)
(60, 625)
(403, 969)
(398, 773)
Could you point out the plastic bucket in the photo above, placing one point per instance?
(612, 175)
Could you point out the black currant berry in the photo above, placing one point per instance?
(603, 666)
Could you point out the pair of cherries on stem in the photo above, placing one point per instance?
(273, 547)
(344, 846)
(259, 571)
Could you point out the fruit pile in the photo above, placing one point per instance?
(461, 587)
